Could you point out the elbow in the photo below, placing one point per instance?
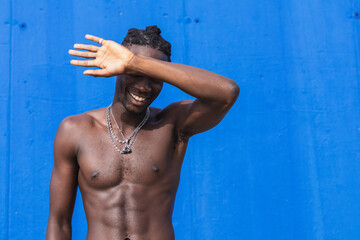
(57, 229)
(224, 96)
(235, 89)
(233, 93)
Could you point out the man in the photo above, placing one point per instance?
(126, 158)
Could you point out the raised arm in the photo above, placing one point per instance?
(63, 185)
(214, 93)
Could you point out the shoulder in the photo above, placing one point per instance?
(174, 114)
(82, 121)
(174, 110)
(72, 128)
(73, 124)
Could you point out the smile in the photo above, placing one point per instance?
(137, 98)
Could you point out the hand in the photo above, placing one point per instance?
(111, 57)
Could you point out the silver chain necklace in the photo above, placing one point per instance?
(127, 141)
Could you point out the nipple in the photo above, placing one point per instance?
(155, 168)
(94, 174)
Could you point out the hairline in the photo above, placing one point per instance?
(148, 46)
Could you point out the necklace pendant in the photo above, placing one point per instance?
(127, 141)
(126, 149)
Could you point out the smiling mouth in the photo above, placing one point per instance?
(137, 98)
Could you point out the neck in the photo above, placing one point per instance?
(127, 120)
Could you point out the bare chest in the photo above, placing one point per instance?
(154, 158)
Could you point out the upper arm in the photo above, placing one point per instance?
(63, 184)
(196, 116)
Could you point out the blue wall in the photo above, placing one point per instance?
(284, 163)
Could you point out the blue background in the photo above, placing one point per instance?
(283, 164)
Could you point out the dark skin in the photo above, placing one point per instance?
(131, 196)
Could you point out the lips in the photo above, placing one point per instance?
(138, 98)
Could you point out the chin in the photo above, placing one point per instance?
(135, 109)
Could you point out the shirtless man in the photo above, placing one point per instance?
(128, 187)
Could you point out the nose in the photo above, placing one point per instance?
(143, 84)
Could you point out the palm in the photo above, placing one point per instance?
(112, 58)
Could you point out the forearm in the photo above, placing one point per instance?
(202, 84)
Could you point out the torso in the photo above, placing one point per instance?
(129, 196)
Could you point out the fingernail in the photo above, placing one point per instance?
(76, 45)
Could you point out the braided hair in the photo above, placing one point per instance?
(148, 37)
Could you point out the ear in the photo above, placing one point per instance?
(119, 80)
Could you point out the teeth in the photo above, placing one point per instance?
(141, 99)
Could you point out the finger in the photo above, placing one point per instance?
(82, 54)
(97, 73)
(84, 63)
(95, 39)
(87, 47)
